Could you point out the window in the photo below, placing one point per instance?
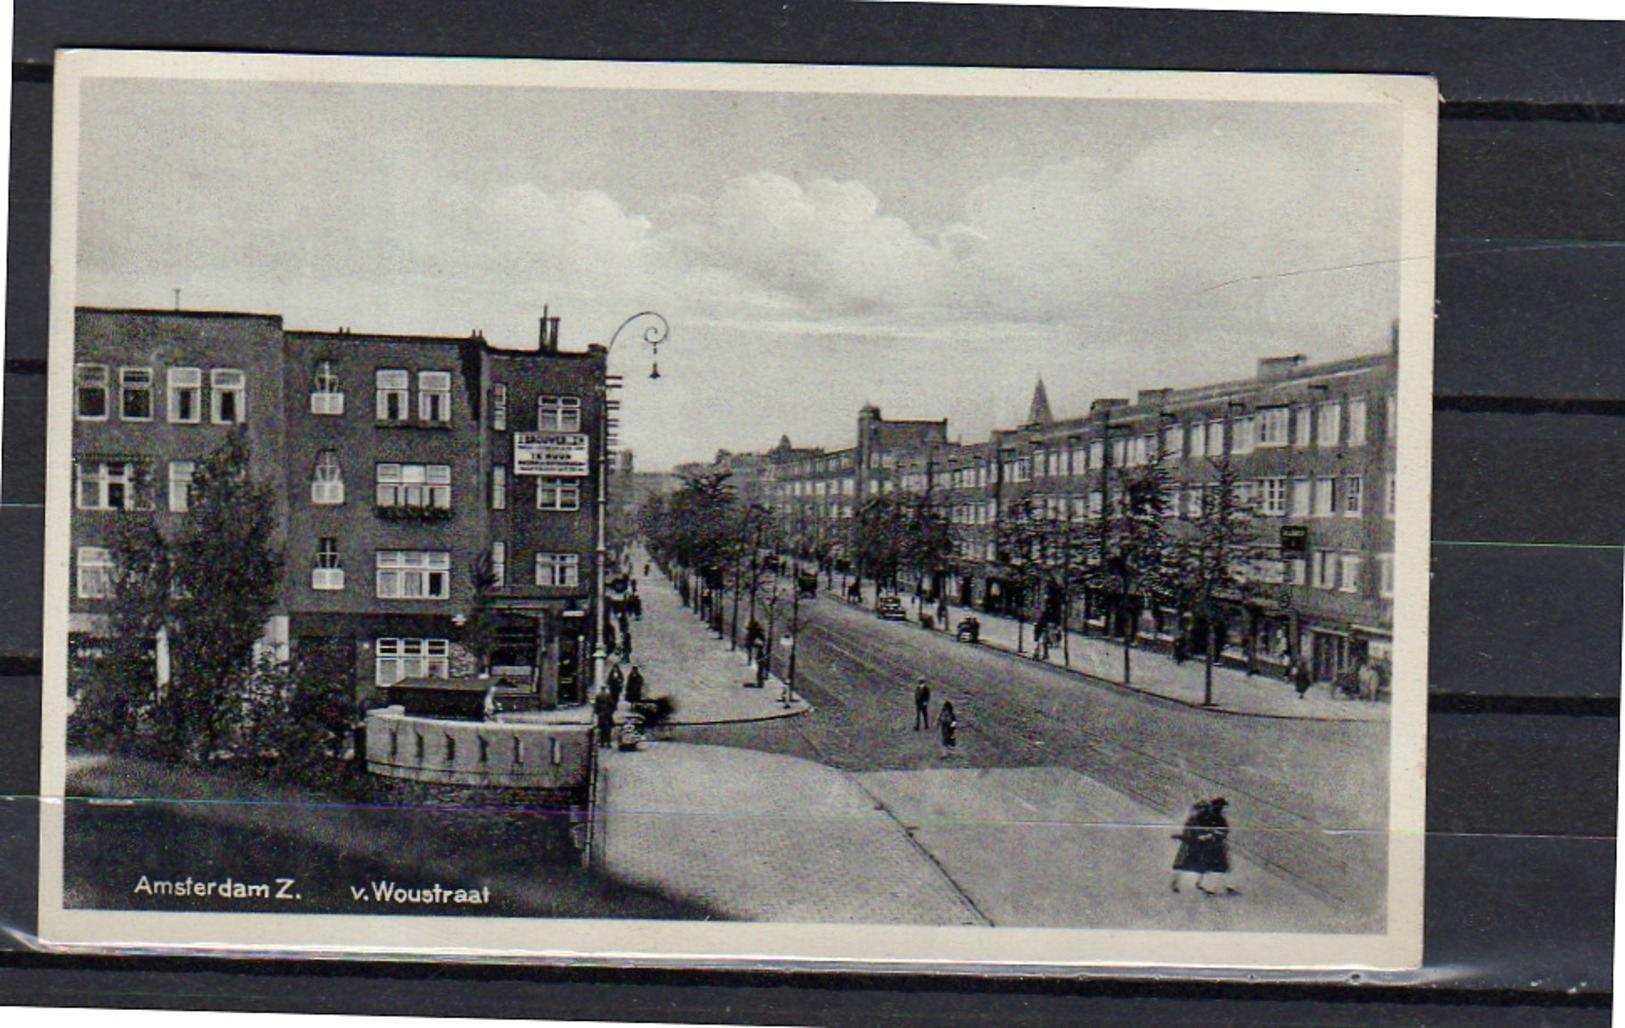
(1193, 502)
(1391, 416)
(558, 569)
(180, 484)
(414, 574)
(558, 494)
(1272, 497)
(499, 487)
(95, 578)
(411, 658)
(1323, 569)
(1273, 423)
(1295, 571)
(1198, 441)
(1388, 497)
(1097, 457)
(326, 396)
(558, 413)
(434, 396)
(393, 386)
(1301, 427)
(1385, 575)
(109, 485)
(1330, 430)
(1302, 496)
(185, 396)
(1353, 496)
(1148, 449)
(414, 485)
(226, 396)
(1242, 442)
(90, 392)
(327, 483)
(135, 394)
(499, 408)
(1215, 438)
(328, 574)
(1324, 505)
(1175, 501)
(1357, 419)
(1173, 441)
(1349, 575)
(499, 564)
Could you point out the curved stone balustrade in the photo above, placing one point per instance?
(494, 754)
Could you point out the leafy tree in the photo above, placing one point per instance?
(1138, 559)
(899, 532)
(115, 692)
(1214, 557)
(225, 573)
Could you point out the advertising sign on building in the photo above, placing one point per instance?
(1294, 539)
(550, 454)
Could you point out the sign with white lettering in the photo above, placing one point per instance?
(550, 454)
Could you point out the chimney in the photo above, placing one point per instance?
(549, 341)
(1273, 369)
(1112, 403)
(1152, 397)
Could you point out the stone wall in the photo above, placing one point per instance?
(487, 754)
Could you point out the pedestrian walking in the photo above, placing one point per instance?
(948, 727)
(637, 607)
(615, 680)
(1204, 846)
(603, 709)
(634, 685)
(1301, 679)
(922, 704)
(609, 636)
(942, 611)
(645, 570)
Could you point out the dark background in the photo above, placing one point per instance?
(1528, 477)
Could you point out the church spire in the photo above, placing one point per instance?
(1039, 412)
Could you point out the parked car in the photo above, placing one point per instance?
(890, 608)
(969, 630)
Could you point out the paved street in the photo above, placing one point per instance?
(680, 658)
(1047, 847)
(1308, 797)
(1056, 808)
(1155, 673)
(762, 837)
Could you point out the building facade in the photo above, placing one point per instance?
(1309, 450)
(423, 485)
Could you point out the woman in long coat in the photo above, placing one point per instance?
(948, 726)
(1204, 846)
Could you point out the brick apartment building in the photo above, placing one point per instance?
(416, 478)
(1312, 447)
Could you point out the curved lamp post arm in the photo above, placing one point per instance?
(654, 330)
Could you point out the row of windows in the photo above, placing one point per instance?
(126, 485)
(399, 574)
(429, 486)
(1330, 424)
(1270, 497)
(553, 413)
(94, 384)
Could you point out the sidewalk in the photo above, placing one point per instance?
(681, 658)
(1234, 691)
(761, 837)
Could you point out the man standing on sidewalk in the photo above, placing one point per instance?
(922, 704)
(603, 708)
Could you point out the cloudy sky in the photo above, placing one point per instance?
(931, 255)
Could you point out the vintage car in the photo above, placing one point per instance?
(890, 608)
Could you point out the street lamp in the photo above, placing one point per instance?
(655, 329)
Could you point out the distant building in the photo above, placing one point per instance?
(419, 479)
(1312, 447)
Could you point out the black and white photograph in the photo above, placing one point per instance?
(678, 512)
